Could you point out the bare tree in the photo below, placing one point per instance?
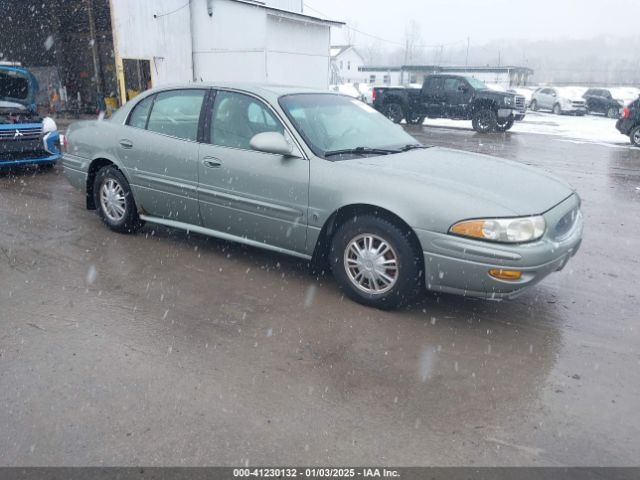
(412, 41)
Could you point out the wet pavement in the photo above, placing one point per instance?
(171, 349)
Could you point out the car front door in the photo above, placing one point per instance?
(160, 151)
(259, 196)
(458, 94)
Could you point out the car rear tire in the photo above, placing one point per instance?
(613, 112)
(484, 120)
(557, 109)
(634, 136)
(375, 263)
(503, 125)
(114, 200)
(394, 112)
(534, 105)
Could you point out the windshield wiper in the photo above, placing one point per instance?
(362, 151)
(413, 146)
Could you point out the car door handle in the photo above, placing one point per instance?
(126, 144)
(211, 162)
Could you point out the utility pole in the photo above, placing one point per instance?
(97, 71)
(466, 59)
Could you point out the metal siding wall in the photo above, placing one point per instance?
(297, 52)
(165, 40)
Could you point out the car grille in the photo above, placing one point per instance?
(578, 103)
(565, 225)
(20, 133)
(520, 103)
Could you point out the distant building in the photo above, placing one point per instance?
(346, 63)
(382, 75)
(507, 76)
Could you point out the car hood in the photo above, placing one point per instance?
(508, 186)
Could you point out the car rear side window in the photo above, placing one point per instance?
(140, 113)
(237, 118)
(177, 113)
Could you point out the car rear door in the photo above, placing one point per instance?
(159, 148)
(249, 194)
(433, 96)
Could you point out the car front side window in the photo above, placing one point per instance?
(177, 113)
(236, 118)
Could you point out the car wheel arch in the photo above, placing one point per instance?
(348, 212)
(96, 164)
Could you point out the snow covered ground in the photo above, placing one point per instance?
(587, 129)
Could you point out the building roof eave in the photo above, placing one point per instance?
(302, 17)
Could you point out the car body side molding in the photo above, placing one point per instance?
(221, 235)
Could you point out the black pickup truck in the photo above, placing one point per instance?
(451, 96)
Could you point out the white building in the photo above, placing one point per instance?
(220, 40)
(382, 75)
(345, 65)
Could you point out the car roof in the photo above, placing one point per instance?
(268, 91)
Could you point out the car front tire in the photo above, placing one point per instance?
(534, 105)
(557, 109)
(375, 263)
(613, 112)
(114, 200)
(634, 136)
(484, 120)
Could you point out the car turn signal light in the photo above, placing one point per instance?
(505, 274)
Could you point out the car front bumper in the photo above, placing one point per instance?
(461, 266)
(45, 149)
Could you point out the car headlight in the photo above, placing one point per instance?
(48, 125)
(506, 230)
(508, 100)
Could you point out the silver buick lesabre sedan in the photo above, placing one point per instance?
(326, 178)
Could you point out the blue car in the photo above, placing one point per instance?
(25, 137)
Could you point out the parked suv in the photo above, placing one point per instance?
(629, 123)
(559, 100)
(608, 101)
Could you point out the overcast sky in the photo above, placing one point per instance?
(448, 21)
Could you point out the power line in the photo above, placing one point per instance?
(391, 42)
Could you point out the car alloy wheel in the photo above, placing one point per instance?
(484, 121)
(371, 264)
(613, 113)
(635, 136)
(376, 262)
(112, 200)
(394, 112)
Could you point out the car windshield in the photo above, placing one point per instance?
(477, 84)
(331, 123)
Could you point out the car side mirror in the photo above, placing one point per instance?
(271, 142)
(553, 94)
